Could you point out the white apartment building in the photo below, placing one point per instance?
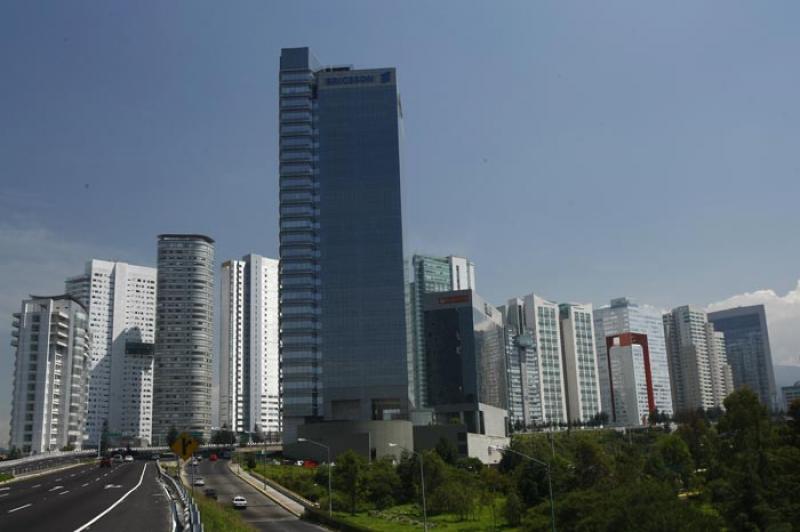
(249, 345)
(536, 367)
(48, 410)
(625, 323)
(579, 361)
(121, 300)
(700, 374)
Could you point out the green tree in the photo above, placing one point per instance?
(671, 461)
(512, 510)
(244, 438)
(349, 476)
(456, 496)
(104, 437)
(257, 436)
(447, 451)
(172, 435)
(382, 483)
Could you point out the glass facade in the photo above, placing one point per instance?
(748, 350)
(342, 282)
(465, 350)
(431, 274)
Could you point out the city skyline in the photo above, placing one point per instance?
(36, 238)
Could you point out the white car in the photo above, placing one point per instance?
(239, 502)
(199, 481)
(128, 458)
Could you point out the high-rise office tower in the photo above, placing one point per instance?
(343, 324)
(580, 361)
(748, 351)
(121, 300)
(624, 316)
(466, 367)
(48, 410)
(698, 368)
(249, 380)
(184, 335)
(432, 274)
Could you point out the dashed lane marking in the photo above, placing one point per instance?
(37, 486)
(64, 492)
(104, 512)
(20, 507)
(84, 485)
(55, 488)
(4, 489)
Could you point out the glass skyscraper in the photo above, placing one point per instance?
(748, 351)
(343, 323)
(432, 274)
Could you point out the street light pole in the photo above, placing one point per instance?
(330, 490)
(549, 478)
(422, 483)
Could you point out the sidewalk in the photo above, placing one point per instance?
(279, 498)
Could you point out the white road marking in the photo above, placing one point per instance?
(104, 512)
(4, 495)
(84, 485)
(20, 508)
(98, 478)
(58, 480)
(4, 489)
(72, 475)
(63, 492)
(55, 488)
(37, 486)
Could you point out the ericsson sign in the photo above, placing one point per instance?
(371, 78)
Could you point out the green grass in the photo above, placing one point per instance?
(5, 476)
(406, 518)
(217, 517)
(297, 479)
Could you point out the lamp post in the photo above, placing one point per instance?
(330, 491)
(549, 478)
(421, 481)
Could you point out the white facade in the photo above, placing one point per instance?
(48, 411)
(542, 316)
(625, 316)
(121, 300)
(462, 273)
(249, 345)
(698, 365)
(580, 361)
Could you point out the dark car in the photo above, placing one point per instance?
(211, 493)
(105, 462)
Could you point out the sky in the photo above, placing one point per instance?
(582, 151)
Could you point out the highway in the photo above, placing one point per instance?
(261, 512)
(122, 498)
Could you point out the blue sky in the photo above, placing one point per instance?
(579, 150)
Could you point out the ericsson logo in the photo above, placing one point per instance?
(360, 79)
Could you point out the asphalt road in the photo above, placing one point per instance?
(68, 500)
(261, 511)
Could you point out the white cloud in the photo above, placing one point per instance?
(783, 320)
(33, 260)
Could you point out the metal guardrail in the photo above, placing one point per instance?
(190, 517)
(31, 464)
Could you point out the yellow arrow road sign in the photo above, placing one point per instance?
(185, 445)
